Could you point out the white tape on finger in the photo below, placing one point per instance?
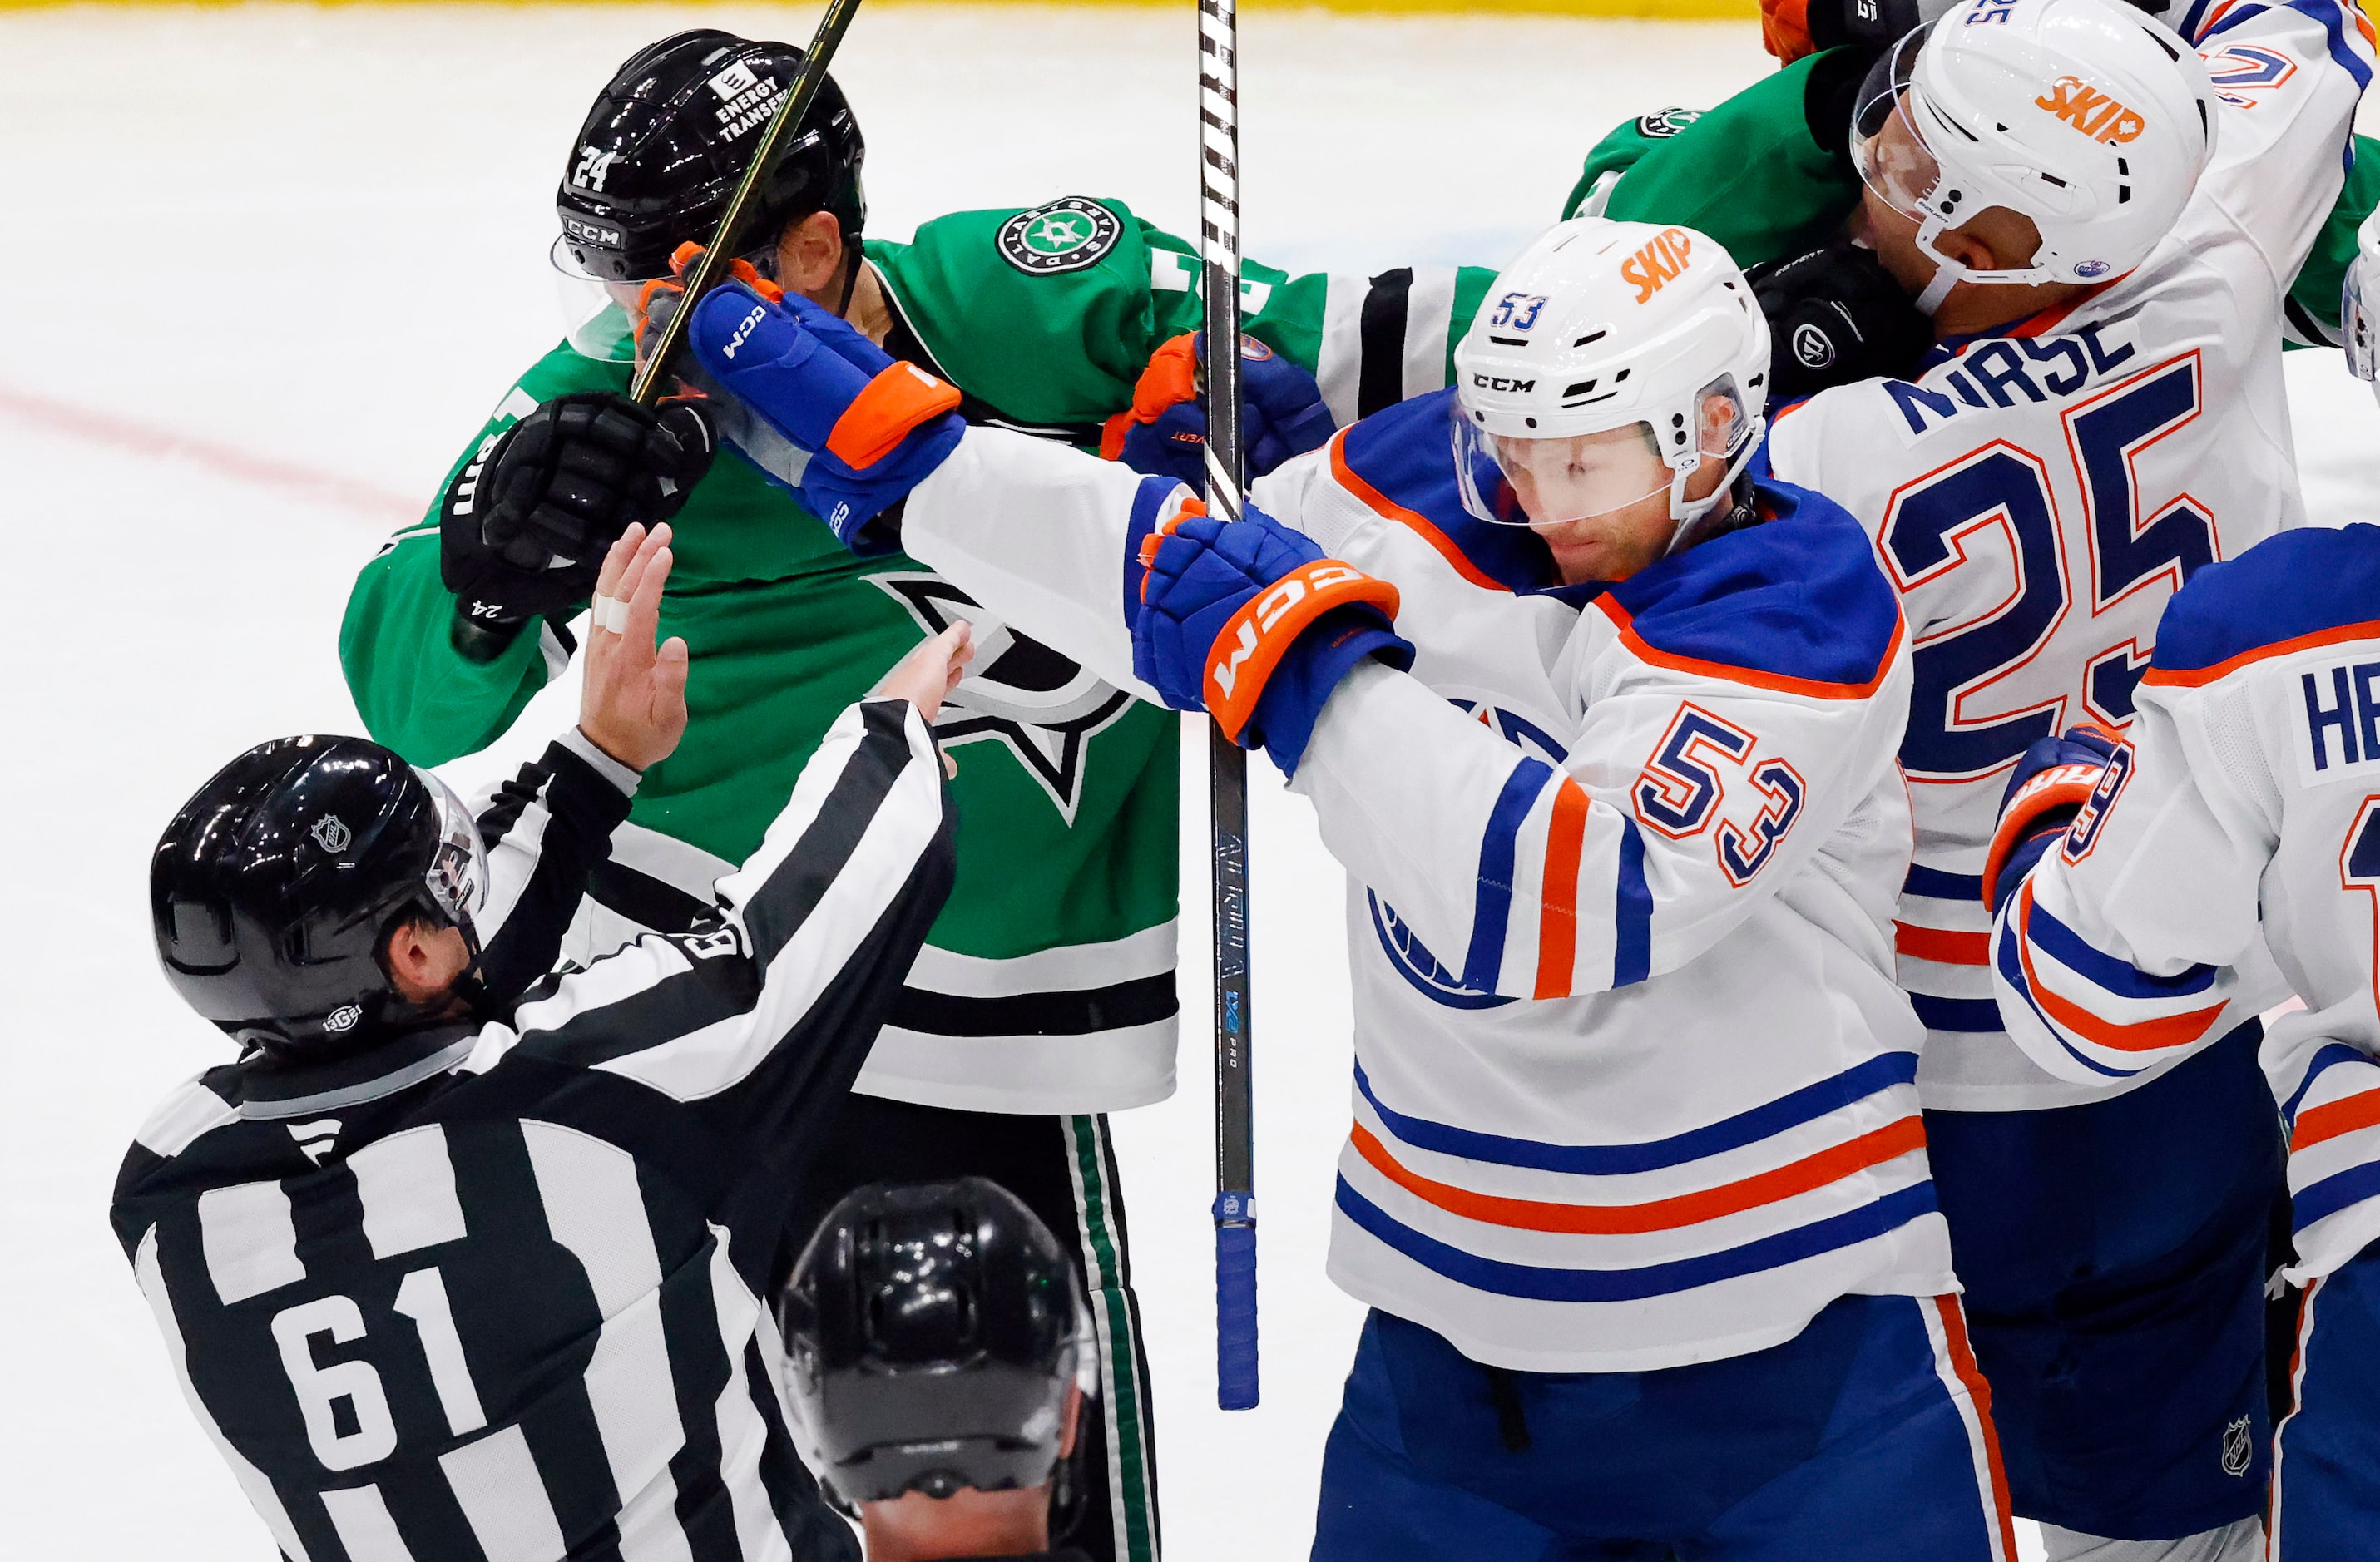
(610, 613)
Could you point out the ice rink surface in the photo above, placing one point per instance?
(271, 266)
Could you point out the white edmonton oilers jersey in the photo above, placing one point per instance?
(1634, 1086)
(2243, 812)
(2038, 494)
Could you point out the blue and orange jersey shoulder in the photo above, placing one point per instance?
(2298, 592)
(1400, 461)
(1794, 604)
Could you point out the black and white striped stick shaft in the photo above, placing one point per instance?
(1227, 763)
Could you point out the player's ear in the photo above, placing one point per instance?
(809, 254)
(1073, 1421)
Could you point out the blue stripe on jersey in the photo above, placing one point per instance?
(2104, 971)
(1806, 1105)
(1535, 1283)
(2189, 26)
(1974, 1016)
(2334, 22)
(1485, 960)
(1632, 912)
(2328, 1057)
(2332, 1195)
(1935, 885)
(2289, 586)
(2013, 969)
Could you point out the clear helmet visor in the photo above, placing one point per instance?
(598, 314)
(2358, 327)
(1900, 167)
(1553, 481)
(457, 876)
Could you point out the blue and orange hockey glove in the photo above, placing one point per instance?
(2054, 778)
(1249, 621)
(1164, 435)
(875, 428)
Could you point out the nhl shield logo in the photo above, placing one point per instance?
(2239, 1448)
(331, 833)
(1065, 236)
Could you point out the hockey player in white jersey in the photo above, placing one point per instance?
(1636, 1186)
(2104, 240)
(2242, 814)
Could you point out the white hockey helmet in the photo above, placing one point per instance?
(2084, 116)
(1602, 326)
(2359, 306)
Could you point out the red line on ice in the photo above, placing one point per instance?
(116, 432)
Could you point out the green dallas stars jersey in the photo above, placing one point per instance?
(1047, 985)
(1749, 174)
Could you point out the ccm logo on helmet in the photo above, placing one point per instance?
(1652, 267)
(1496, 383)
(1269, 606)
(2092, 112)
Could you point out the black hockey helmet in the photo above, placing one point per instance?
(935, 1331)
(274, 892)
(669, 138)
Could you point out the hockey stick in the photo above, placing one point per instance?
(1227, 763)
(717, 256)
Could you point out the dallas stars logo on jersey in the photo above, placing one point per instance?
(1065, 236)
(1019, 692)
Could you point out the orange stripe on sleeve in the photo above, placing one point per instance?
(2143, 1036)
(1557, 911)
(1815, 688)
(2198, 677)
(1875, 1149)
(1942, 945)
(2334, 1118)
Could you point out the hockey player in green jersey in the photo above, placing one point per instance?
(1045, 997)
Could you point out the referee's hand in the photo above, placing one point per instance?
(633, 705)
(927, 676)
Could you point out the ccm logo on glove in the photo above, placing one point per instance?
(742, 332)
(1257, 635)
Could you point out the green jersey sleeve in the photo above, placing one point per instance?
(1748, 173)
(415, 691)
(2312, 303)
(1046, 317)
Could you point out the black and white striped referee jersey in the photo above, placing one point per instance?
(497, 1293)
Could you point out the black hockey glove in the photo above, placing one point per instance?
(525, 525)
(1836, 317)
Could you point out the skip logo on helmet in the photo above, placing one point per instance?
(2094, 112)
(1653, 267)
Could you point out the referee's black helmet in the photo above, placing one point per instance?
(936, 1332)
(274, 890)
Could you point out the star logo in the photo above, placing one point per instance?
(1065, 236)
(1042, 708)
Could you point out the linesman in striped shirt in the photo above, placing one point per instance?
(464, 1261)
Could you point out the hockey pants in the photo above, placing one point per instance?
(1064, 1168)
(1865, 1438)
(2114, 1256)
(2326, 1455)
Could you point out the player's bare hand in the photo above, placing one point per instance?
(633, 706)
(928, 674)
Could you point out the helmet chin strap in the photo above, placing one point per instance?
(1946, 277)
(1684, 513)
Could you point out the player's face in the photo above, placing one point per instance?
(1601, 502)
(1884, 224)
